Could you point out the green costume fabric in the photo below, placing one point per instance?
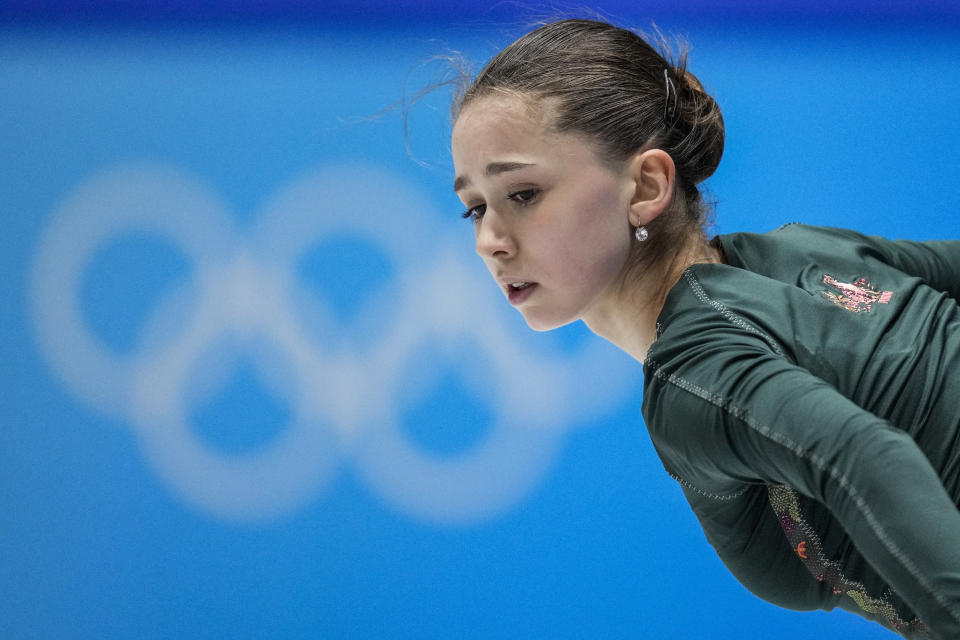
(806, 396)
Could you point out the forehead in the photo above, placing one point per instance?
(501, 124)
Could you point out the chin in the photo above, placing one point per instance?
(546, 324)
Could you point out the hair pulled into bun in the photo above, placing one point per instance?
(696, 141)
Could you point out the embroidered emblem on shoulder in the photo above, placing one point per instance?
(857, 296)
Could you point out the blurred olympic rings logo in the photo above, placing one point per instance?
(344, 397)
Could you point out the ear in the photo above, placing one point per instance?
(653, 174)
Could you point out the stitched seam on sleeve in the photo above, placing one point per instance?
(707, 494)
(821, 464)
(726, 313)
(784, 226)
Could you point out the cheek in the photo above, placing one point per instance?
(599, 240)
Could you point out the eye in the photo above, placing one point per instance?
(474, 213)
(525, 197)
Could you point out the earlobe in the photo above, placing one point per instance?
(653, 174)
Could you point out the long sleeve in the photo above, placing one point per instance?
(746, 417)
(936, 262)
(778, 254)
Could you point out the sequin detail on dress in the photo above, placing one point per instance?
(806, 544)
(857, 296)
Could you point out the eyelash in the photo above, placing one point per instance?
(530, 197)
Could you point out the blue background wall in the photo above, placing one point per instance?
(254, 382)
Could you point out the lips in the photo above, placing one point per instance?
(519, 290)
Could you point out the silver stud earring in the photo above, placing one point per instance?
(642, 234)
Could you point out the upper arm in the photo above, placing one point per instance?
(936, 262)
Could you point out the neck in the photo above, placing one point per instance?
(627, 315)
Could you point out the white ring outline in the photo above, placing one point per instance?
(114, 202)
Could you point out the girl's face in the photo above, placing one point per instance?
(549, 214)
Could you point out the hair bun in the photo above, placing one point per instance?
(699, 127)
(691, 80)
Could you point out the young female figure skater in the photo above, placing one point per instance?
(802, 386)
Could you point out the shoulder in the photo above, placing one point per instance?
(715, 340)
(794, 246)
(795, 233)
(715, 319)
(719, 307)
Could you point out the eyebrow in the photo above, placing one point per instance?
(493, 169)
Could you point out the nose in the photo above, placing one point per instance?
(494, 238)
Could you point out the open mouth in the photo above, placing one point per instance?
(520, 291)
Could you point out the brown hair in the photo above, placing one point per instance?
(622, 92)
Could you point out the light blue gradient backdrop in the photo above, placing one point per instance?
(836, 122)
